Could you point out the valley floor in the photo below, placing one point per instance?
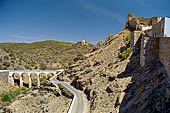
(40, 101)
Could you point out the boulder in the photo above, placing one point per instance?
(87, 91)
(77, 84)
(109, 90)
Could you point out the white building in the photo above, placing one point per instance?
(162, 28)
(83, 41)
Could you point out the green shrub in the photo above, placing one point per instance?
(125, 54)
(43, 81)
(12, 95)
(70, 63)
(99, 44)
(6, 57)
(127, 39)
(12, 54)
(7, 97)
(7, 50)
(27, 66)
(49, 76)
(6, 64)
(43, 66)
(31, 63)
(78, 57)
(57, 52)
(34, 82)
(79, 54)
(109, 36)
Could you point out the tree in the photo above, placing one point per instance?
(99, 44)
(109, 36)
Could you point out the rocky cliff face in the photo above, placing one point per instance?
(148, 91)
(115, 85)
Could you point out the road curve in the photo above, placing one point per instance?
(79, 103)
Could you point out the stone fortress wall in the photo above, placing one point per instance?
(157, 30)
(136, 23)
(164, 53)
(149, 50)
(152, 47)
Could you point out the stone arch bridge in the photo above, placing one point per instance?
(29, 72)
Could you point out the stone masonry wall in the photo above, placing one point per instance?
(149, 50)
(4, 76)
(134, 38)
(164, 53)
(157, 29)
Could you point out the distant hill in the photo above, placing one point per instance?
(48, 54)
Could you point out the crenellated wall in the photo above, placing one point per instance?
(136, 23)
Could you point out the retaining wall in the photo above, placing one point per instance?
(4, 76)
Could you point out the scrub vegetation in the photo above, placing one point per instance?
(43, 55)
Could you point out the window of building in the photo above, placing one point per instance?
(162, 30)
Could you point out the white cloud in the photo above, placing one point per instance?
(87, 4)
(24, 37)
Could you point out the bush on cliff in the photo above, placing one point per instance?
(125, 54)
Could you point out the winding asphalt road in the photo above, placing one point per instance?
(79, 103)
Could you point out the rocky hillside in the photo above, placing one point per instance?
(97, 74)
(41, 55)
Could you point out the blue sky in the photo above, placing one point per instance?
(71, 20)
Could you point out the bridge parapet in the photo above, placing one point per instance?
(29, 72)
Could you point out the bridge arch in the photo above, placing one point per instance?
(33, 79)
(25, 79)
(16, 78)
